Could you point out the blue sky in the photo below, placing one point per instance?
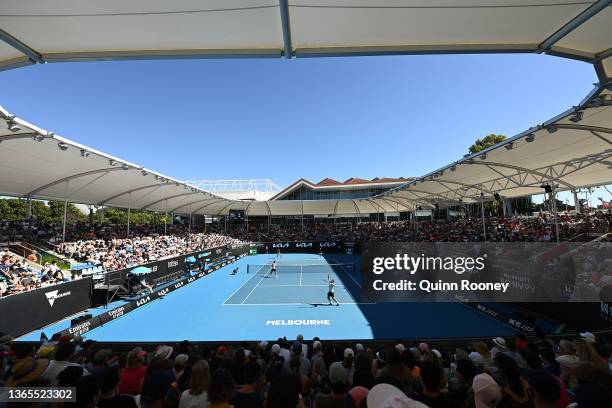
(286, 119)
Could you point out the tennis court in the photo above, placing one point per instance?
(299, 283)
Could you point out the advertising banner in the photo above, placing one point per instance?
(22, 313)
(312, 247)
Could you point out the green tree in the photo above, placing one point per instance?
(487, 141)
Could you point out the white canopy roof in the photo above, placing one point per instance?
(37, 164)
(37, 31)
(564, 151)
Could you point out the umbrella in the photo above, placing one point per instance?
(190, 259)
(140, 270)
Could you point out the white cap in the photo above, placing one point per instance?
(388, 396)
(263, 344)
(588, 336)
(349, 352)
(316, 345)
(359, 347)
(275, 348)
(437, 353)
(400, 347)
(164, 351)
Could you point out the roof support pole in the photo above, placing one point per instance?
(286, 23)
(129, 211)
(166, 219)
(553, 197)
(576, 202)
(302, 217)
(484, 226)
(64, 221)
(29, 207)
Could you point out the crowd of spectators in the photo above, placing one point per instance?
(119, 253)
(504, 372)
(539, 228)
(18, 275)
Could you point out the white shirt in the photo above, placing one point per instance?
(193, 401)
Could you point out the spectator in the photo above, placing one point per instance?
(284, 392)
(63, 357)
(432, 382)
(249, 396)
(132, 376)
(339, 380)
(487, 394)
(197, 396)
(221, 389)
(110, 397)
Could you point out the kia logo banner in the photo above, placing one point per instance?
(312, 247)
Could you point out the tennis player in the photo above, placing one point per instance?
(330, 292)
(273, 270)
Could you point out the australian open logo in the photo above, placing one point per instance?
(142, 301)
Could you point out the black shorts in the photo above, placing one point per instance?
(330, 294)
(273, 270)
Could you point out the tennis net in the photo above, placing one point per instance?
(337, 268)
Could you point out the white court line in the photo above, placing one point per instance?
(252, 290)
(245, 282)
(296, 304)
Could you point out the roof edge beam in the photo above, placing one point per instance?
(194, 202)
(23, 48)
(573, 24)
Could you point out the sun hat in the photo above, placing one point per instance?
(589, 337)
(568, 361)
(500, 342)
(487, 393)
(400, 347)
(164, 352)
(181, 359)
(26, 370)
(317, 345)
(388, 396)
(349, 352)
(359, 347)
(276, 348)
(263, 344)
(337, 373)
(437, 353)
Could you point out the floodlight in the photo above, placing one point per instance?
(38, 137)
(509, 146)
(529, 138)
(12, 126)
(497, 196)
(453, 168)
(125, 167)
(144, 172)
(483, 156)
(577, 117)
(84, 153)
(551, 129)
(547, 188)
(62, 146)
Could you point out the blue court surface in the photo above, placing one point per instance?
(255, 305)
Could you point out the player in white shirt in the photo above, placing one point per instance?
(331, 296)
